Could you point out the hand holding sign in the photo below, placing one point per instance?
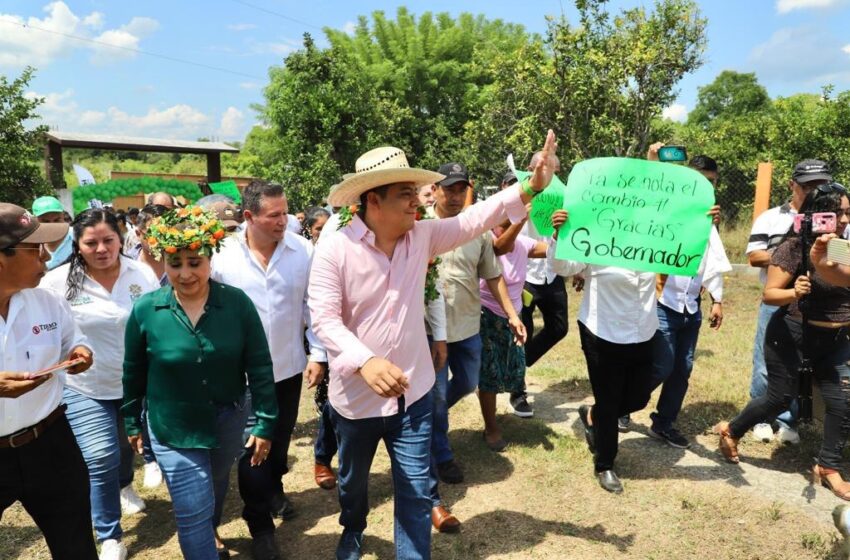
(636, 214)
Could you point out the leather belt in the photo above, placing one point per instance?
(28, 435)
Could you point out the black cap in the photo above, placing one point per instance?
(811, 170)
(509, 178)
(454, 172)
(17, 225)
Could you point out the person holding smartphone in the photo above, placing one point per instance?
(827, 346)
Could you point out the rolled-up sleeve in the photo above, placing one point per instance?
(448, 233)
(346, 354)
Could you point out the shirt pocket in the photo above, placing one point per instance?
(41, 356)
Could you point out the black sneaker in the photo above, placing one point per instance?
(624, 423)
(264, 547)
(450, 472)
(671, 436)
(521, 406)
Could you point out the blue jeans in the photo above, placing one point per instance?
(673, 349)
(758, 381)
(197, 481)
(324, 448)
(464, 361)
(95, 424)
(407, 437)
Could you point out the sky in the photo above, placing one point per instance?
(185, 69)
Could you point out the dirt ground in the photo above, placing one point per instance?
(539, 499)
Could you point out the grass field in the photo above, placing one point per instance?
(540, 499)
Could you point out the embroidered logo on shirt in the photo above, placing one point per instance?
(37, 329)
(81, 300)
(135, 292)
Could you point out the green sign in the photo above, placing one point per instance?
(545, 204)
(227, 188)
(636, 214)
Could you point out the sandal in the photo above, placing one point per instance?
(728, 443)
(819, 476)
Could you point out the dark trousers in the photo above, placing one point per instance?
(49, 477)
(829, 351)
(257, 485)
(407, 437)
(551, 299)
(324, 448)
(620, 377)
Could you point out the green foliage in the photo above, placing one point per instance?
(731, 94)
(21, 149)
(109, 190)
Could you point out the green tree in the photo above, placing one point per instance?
(600, 84)
(21, 148)
(730, 94)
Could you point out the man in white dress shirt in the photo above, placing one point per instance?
(272, 265)
(40, 463)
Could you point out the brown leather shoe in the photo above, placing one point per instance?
(325, 477)
(728, 444)
(444, 521)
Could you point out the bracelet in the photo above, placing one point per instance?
(526, 188)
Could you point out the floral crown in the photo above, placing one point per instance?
(190, 228)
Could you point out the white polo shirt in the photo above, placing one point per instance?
(769, 230)
(279, 293)
(102, 316)
(38, 332)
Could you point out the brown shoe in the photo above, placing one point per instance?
(325, 477)
(728, 444)
(444, 521)
(839, 487)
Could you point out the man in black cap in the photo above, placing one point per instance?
(40, 463)
(459, 274)
(768, 231)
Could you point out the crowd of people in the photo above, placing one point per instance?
(190, 331)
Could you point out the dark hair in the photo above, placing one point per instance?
(132, 211)
(703, 163)
(816, 201)
(77, 270)
(380, 191)
(121, 215)
(253, 194)
(311, 216)
(148, 213)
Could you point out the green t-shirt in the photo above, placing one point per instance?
(186, 372)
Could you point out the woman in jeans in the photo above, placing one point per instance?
(190, 348)
(101, 286)
(827, 311)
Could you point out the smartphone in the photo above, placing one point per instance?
(64, 365)
(822, 222)
(838, 251)
(672, 153)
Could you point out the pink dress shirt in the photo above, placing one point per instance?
(363, 304)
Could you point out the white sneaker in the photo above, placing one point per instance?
(788, 436)
(111, 549)
(131, 503)
(763, 432)
(153, 476)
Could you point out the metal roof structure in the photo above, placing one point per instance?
(58, 141)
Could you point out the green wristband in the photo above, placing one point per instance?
(526, 188)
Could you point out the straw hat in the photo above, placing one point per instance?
(375, 168)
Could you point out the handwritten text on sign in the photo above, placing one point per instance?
(545, 204)
(636, 214)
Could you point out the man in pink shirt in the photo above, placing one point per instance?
(366, 298)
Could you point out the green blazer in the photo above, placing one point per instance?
(184, 372)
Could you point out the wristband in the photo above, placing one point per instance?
(526, 188)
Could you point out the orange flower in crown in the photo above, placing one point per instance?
(190, 228)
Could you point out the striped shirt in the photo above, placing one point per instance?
(768, 231)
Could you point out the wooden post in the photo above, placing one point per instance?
(213, 167)
(53, 165)
(763, 181)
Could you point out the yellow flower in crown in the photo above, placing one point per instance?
(190, 228)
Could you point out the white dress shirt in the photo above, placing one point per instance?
(102, 316)
(681, 293)
(538, 271)
(619, 305)
(39, 332)
(279, 293)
